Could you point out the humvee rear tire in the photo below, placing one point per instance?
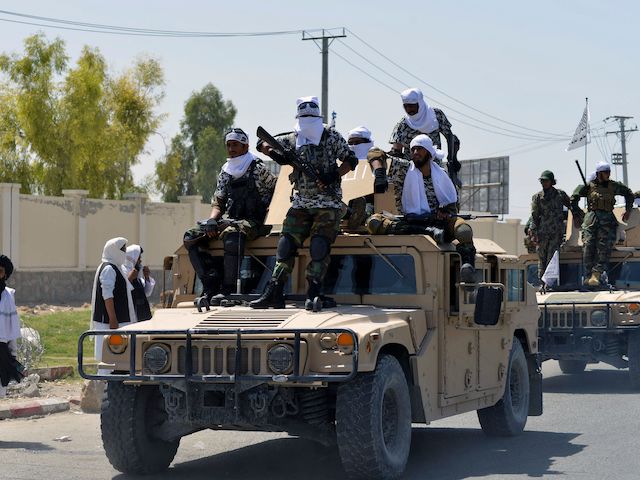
(509, 416)
(633, 355)
(373, 422)
(572, 367)
(128, 415)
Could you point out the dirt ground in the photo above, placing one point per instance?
(44, 309)
(67, 389)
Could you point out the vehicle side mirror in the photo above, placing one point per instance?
(488, 305)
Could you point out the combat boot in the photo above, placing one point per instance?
(273, 296)
(594, 279)
(313, 296)
(468, 268)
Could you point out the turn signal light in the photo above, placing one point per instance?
(117, 343)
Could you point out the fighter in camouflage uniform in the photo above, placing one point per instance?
(420, 118)
(243, 193)
(599, 225)
(422, 188)
(316, 208)
(547, 219)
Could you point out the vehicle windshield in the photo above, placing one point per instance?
(627, 276)
(622, 275)
(570, 276)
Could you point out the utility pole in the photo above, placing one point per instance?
(327, 37)
(621, 158)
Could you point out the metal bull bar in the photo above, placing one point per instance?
(608, 306)
(189, 376)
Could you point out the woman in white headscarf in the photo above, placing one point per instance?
(111, 303)
(140, 278)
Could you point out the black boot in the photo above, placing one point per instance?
(273, 296)
(468, 261)
(313, 301)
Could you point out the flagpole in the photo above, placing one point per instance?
(586, 140)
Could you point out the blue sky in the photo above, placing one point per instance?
(530, 64)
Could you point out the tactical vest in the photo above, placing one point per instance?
(140, 302)
(120, 298)
(318, 157)
(601, 196)
(244, 201)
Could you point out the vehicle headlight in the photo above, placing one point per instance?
(599, 318)
(633, 308)
(280, 358)
(156, 358)
(117, 343)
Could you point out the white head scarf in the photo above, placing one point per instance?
(309, 126)
(425, 120)
(133, 254)
(603, 166)
(237, 166)
(414, 196)
(238, 135)
(361, 149)
(112, 251)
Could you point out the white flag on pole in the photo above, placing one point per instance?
(551, 274)
(581, 137)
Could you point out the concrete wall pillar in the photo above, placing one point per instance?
(10, 221)
(195, 201)
(140, 200)
(79, 198)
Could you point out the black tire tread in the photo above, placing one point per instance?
(357, 441)
(497, 420)
(122, 437)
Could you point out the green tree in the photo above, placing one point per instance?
(76, 127)
(198, 151)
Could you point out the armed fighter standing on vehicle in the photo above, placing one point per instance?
(316, 208)
(243, 193)
(422, 188)
(599, 225)
(547, 219)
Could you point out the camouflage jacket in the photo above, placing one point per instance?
(323, 158)
(265, 184)
(547, 213)
(398, 172)
(601, 196)
(403, 133)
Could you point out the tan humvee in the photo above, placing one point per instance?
(577, 325)
(406, 343)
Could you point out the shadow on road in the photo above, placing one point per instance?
(30, 446)
(442, 453)
(589, 382)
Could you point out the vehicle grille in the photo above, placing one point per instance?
(236, 318)
(566, 319)
(220, 360)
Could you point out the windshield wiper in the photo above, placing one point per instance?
(369, 243)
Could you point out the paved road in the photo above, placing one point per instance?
(589, 431)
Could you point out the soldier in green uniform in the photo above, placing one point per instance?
(529, 240)
(316, 208)
(547, 219)
(599, 225)
(243, 193)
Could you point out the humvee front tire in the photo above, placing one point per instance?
(509, 416)
(572, 367)
(633, 355)
(373, 422)
(128, 415)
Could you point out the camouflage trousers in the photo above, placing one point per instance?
(599, 231)
(455, 228)
(547, 246)
(300, 224)
(209, 269)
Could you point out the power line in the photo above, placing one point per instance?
(446, 94)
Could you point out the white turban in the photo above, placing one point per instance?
(113, 251)
(425, 142)
(425, 120)
(238, 135)
(360, 132)
(603, 166)
(308, 106)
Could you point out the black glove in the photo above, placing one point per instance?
(278, 157)
(381, 183)
(328, 178)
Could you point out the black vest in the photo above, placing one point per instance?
(244, 202)
(140, 302)
(120, 298)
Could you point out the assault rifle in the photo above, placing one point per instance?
(288, 155)
(431, 218)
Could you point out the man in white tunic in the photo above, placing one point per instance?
(9, 328)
